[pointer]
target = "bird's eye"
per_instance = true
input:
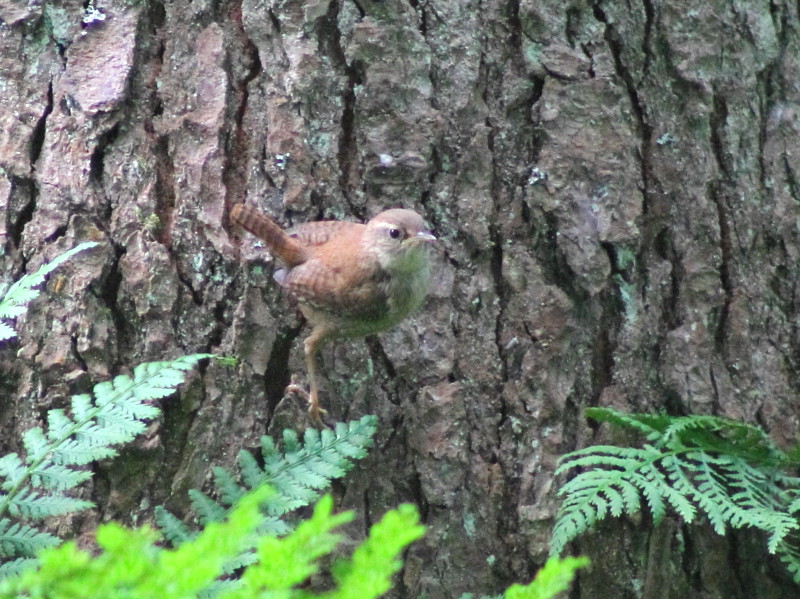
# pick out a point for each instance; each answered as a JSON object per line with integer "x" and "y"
{"x": 394, "y": 233}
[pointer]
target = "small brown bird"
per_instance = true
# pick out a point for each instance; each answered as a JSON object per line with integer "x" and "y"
{"x": 350, "y": 279}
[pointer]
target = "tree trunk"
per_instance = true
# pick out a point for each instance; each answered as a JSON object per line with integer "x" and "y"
{"x": 615, "y": 186}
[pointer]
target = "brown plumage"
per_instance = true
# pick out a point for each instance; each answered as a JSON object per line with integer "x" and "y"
{"x": 349, "y": 279}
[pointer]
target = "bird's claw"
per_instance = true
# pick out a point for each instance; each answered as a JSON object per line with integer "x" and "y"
{"x": 315, "y": 412}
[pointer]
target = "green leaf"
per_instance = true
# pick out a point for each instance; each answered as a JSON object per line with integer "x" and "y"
{"x": 132, "y": 566}
{"x": 369, "y": 571}
{"x": 21, "y": 540}
{"x": 37, "y": 484}
{"x": 6, "y": 332}
{"x": 175, "y": 531}
{"x": 728, "y": 471}
{"x": 296, "y": 472}
{"x": 14, "y": 301}
{"x": 553, "y": 578}
{"x": 289, "y": 561}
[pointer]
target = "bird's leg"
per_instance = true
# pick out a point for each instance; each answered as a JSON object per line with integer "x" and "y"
{"x": 312, "y": 345}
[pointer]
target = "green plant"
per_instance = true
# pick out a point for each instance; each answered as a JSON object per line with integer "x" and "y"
{"x": 726, "y": 470}
{"x": 131, "y": 564}
{"x": 244, "y": 531}
{"x": 33, "y": 484}
{"x": 554, "y": 577}
{"x": 14, "y": 301}
{"x": 297, "y": 472}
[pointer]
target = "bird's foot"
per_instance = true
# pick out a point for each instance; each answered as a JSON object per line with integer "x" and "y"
{"x": 315, "y": 412}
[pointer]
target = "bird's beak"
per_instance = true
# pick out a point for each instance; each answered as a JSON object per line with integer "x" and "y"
{"x": 424, "y": 236}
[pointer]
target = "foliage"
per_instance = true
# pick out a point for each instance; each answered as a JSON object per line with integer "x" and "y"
{"x": 726, "y": 470}
{"x": 553, "y": 578}
{"x": 272, "y": 561}
{"x": 369, "y": 571}
{"x": 14, "y": 302}
{"x": 296, "y": 471}
{"x": 132, "y": 565}
{"x": 33, "y": 485}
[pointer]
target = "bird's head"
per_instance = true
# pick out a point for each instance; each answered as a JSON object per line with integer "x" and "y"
{"x": 399, "y": 240}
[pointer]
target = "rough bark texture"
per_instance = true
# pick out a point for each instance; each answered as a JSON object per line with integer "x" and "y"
{"x": 615, "y": 186}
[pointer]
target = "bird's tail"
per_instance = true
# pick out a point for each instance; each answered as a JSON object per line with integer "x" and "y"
{"x": 287, "y": 249}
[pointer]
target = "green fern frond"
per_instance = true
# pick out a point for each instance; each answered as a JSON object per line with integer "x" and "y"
{"x": 207, "y": 509}
{"x": 250, "y": 470}
{"x": 789, "y": 554}
{"x": 175, "y": 531}
{"x": 16, "y": 567}
{"x": 34, "y": 484}
{"x": 12, "y": 471}
{"x": 296, "y": 471}
{"x": 55, "y": 477}
{"x": 651, "y": 426}
{"x": 19, "y": 540}
{"x": 301, "y": 471}
{"x": 683, "y": 496}
{"x": 14, "y": 302}
{"x": 30, "y": 505}
{"x": 229, "y": 489}
{"x": 6, "y": 332}
{"x": 728, "y": 471}
{"x": 794, "y": 505}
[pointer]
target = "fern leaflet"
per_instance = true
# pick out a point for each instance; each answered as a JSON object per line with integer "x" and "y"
{"x": 726, "y": 470}
{"x": 297, "y": 473}
{"x": 32, "y": 486}
{"x": 14, "y": 302}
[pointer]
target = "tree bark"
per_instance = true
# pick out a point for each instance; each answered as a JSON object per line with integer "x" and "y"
{"x": 615, "y": 187}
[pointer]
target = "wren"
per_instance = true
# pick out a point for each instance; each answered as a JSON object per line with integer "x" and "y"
{"x": 349, "y": 279}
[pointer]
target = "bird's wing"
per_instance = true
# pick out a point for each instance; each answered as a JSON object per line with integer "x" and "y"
{"x": 324, "y": 286}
